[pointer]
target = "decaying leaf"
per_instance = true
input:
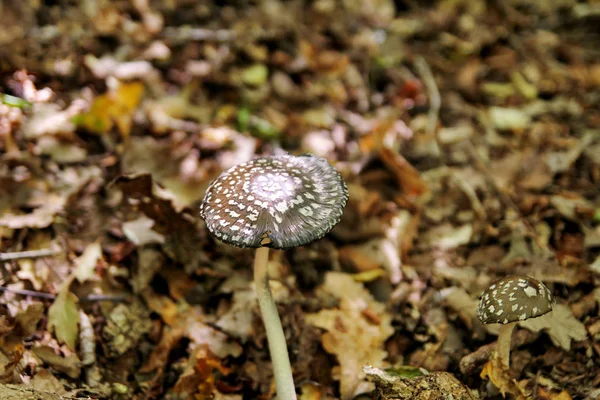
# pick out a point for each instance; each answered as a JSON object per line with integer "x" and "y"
{"x": 125, "y": 326}
{"x": 63, "y": 316}
{"x": 44, "y": 381}
{"x": 144, "y": 194}
{"x": 448, "y": 237}
{"x": 355, "y": 332}
{"x": 140, "y": 232}
{"x": 149, "y": 263}
{"x": 85, "y": 264}
{"x": 499, "y": 376}
{"x": 40, "y": 217}
{"x": 561, "y": 325}
{"x": 113, "y": 108}
{"x": 238, "y": 320}
{"x": 427, "y": 386}
{"x": 462, "y": 303}
{"x": 29, "y": 318}
{"x": 68, "y": 364}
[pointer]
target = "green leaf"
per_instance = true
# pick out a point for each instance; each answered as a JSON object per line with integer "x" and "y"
{"x": 243, "y": 119}
{"x": 13, "y": 101}
{"x": 63, "y": 316}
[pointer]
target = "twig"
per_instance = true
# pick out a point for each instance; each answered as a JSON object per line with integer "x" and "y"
{"x": 468, "y": 190}
{"x": 199, "y": 34}
{"x": 19, "y": 255}
{"x": 469, "y": 363}
{"x": 505, "y": 198}
{"x": 435, "y": 100}
{"x": 50, "y": 296}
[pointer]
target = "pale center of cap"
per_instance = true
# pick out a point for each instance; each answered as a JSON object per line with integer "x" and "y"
{"x": 270, "y": 186}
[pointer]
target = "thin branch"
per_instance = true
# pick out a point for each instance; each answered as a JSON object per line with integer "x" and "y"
{"x": 19, "y": 255}
{"x": 435, "y": 100}
{"x": 481, "y": 165}
{"x": 50, "y": 296}
{"x": 32, "y": 293}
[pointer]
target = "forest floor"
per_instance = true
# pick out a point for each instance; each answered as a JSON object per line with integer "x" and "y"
{"x": 468, "y": 133}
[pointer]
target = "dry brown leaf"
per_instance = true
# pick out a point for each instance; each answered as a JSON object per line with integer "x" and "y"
{"x": 238, "y": 320}
{"x": 44, "y": 381}
{"x": 561, "y": 325}
{"x": 407, "y": 176}
{"x": 355, "y": 339}
{"x": 139, "y": 231}
{"x": 68, "y": 365}
{"x": 85, "y": 264}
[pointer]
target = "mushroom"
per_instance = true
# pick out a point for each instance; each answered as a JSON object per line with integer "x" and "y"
{"x": 275, "y": 202}
{"x": 510, "y": 300}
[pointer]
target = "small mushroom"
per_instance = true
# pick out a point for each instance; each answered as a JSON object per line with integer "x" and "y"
{"x": 274, "y": 202}
{"x": 510, "y": 300}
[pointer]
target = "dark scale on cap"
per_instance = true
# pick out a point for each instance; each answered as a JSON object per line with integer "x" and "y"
{"x": 514, "y": 298}
{"x": 290, "y": 200}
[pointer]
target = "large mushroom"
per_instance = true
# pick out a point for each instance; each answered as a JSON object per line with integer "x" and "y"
{"x": 510, "y": 300}
{"x": 275, "y": 202}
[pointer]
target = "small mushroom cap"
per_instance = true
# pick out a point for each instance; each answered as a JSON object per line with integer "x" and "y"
{"x": 514, "y": 298}
{"x": 280, "y": 202}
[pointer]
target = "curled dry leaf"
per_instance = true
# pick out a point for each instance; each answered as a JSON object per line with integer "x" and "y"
{"x": 499, "y": 376}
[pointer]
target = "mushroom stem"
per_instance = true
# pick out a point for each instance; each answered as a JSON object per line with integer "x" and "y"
{"x": 282, "y": 370}
{"x": 504, "y": 339}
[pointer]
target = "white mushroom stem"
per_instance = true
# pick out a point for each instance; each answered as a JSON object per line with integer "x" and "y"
{"x": 504, "y": 339}
{"x": 282, "y": 370}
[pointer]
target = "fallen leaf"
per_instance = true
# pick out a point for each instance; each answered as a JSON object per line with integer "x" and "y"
{"x": 44, "y": 381}
{"x": 561, "y": 325}
{"x": 125, "y": 326}
{"x": 448, "y": 237}
{"x": 85, "y": 264}
{"x": 406, "y": 175}
{"x": 149, "y": 263}
{"x": 69, "y": 365}
{"x": 40, "y": 217}
{"x": 352, "y": 337}
{"x": 495, "y": 372}
{"x": 509, "y": 118}
{"x": 113, "y": 108}
{"x": 238, "y": 320}
{"x": 63, "y": 316}
{"x": 139, "y": 231}
{"x": 29, "y": 318}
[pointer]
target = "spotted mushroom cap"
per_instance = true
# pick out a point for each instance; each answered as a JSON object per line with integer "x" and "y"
{"x": 514, "y": 298}
{"x": 289, "y": 200}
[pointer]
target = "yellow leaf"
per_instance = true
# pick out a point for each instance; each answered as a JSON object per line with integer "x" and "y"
{"x": 499, "y": 376}
{"x": 564, "y": 395}
{"x": 115, "y": 107}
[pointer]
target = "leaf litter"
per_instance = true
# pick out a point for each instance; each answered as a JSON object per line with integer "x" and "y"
{"x": 468, "y": 133}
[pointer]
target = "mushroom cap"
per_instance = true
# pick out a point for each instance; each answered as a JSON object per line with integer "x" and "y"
{"x": 514, "y": 298}
{"x": 289, "y": 200}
